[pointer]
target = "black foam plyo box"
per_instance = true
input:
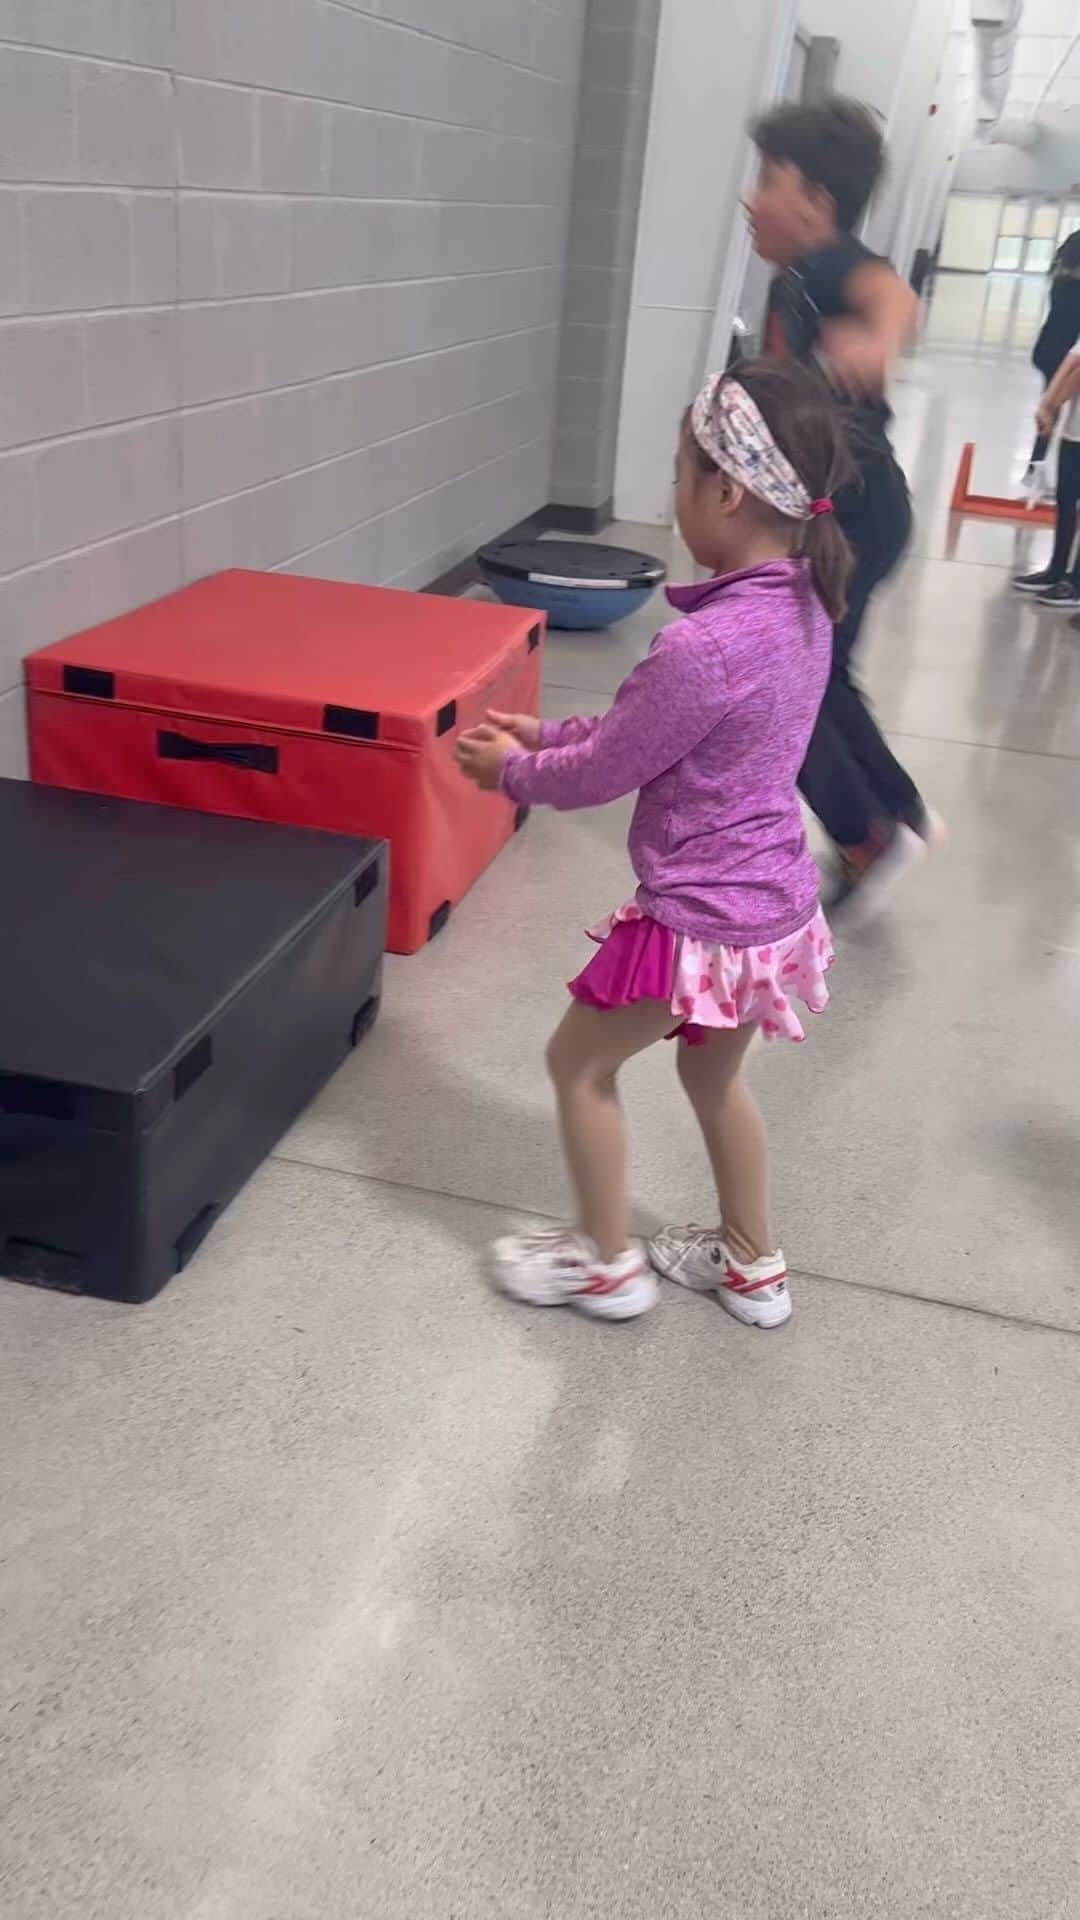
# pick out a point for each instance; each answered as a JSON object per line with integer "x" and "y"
{"x": 174, "y": 988}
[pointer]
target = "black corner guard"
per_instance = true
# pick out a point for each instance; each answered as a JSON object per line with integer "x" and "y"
{"x": 193, "y": 1065}
{"x": 90, "y": 681}
{"x": 187, "y": 1246}
{"x": 365, "y": 886}
{"x": 356, "y": 723}
{"x": 40, "y": 1265}
{"x": 364, "y": 1020}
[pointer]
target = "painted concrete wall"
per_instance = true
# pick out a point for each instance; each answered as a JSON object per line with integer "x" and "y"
{"x": 714, "y": 64}
{"x": 890, "y": 228}
{"x": 281, "y": 285}
{"x": 873, "y": 40}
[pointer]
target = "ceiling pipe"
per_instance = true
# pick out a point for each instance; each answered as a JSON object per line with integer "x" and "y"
{"x": 1057, "y": 73}
{"x": 997, "y": 26}
{"x": 1024, "y": 134}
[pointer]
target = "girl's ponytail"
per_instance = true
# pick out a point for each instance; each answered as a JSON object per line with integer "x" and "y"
{"x": 830, "y": 560}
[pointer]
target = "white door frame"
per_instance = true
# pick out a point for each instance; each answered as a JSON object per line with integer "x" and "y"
{"x": 777, "y": 61}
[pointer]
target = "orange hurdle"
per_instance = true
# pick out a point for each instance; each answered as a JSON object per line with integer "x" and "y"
{"x": 990, "y": 506}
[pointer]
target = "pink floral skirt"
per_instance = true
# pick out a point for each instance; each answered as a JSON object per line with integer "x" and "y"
{"x": 705, "y": 985}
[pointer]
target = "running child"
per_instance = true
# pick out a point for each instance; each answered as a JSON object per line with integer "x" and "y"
{"x": 725, "y": 930}
{"x": 835, "y": 302}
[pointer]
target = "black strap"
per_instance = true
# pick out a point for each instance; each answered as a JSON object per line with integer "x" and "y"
{"x": 247, "y": 755}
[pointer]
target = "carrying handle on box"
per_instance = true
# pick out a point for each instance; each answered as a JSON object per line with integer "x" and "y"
{"x": 247, "y": 755}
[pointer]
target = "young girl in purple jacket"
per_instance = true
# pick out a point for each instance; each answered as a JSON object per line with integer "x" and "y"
{"x": 725, "y": 929}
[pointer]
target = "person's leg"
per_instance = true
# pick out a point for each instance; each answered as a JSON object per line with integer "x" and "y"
{"x": 831, "y": 780}
{"x": 584, "y": 1058}
{"x": 895, "y": 794}
{"x": 855, "y": 785}
{"x": 734, "y": 1135}
{"x": 738, "y": 1261}
{"x": 1055, "y": 579}
{"x": 1068, "y": 502}
{"x": 867, "y": 802}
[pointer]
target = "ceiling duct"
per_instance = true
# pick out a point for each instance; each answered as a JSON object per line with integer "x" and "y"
{"x": 1025, "y": 134}
{"x": 997, "y": 26}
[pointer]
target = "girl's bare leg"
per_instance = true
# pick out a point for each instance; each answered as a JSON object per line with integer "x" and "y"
{"x": 584, "y": 1058}
{"x": 734, "y": 1134}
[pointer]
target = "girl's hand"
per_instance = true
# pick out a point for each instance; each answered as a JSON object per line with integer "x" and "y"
{"x": 481, "y": 752}
{"x": 524, "y": 727}
{"x": 1046, "y": 418}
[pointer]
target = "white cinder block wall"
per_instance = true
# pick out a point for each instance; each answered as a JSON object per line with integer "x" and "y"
{"x": 280, "y": 286}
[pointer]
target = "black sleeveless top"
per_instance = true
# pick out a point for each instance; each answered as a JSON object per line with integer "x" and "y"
{"x": 801, "y": 298}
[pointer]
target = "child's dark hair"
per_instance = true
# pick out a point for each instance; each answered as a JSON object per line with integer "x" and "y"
{"x": 801, "y": 413}
{"x": 837, "y": 145}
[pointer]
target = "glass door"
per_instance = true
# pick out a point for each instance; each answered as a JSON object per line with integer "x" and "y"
{"x": 1030, "y": 233}
{"x": 1012, "y": 237}
{"x": 1042, "y": 240}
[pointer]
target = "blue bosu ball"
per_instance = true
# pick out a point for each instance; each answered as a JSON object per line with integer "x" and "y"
{"x": 577, "y": 583}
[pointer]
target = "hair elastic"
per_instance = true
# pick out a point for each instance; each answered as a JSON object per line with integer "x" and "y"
{"x": 818, "y": 507}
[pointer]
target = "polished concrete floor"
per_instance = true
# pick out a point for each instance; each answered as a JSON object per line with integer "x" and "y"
{"x": 334, "y": 1588}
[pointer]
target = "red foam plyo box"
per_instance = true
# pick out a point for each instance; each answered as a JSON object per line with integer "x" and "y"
{"x": 313, "y": 703}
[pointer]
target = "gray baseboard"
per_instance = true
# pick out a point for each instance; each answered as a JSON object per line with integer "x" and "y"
{"x": 458, "y": 579}
{"x": 580, "y": 519}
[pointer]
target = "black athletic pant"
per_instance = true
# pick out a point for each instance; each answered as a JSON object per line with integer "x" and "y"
{"x": 1068, "y": 504}
{"x": 849, "y": 777}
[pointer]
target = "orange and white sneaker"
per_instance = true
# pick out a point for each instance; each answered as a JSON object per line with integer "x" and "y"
{"x": 560, "y": 1268}
{"x": 699, "y": 1258}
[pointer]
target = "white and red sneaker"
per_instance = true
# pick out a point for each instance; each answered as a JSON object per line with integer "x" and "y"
{"x": 560, "y": 1268}
{"x": 699, "y": 1258}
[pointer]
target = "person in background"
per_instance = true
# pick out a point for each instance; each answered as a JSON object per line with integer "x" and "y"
{"x": 1059, "y": 330}
{"x": 835, "y": 302}
{"x": 725, "y": 930}
{"x": 1058, "y": 585}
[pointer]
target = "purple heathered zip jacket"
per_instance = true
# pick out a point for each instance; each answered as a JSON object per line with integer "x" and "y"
{"x": 713, "y": 727}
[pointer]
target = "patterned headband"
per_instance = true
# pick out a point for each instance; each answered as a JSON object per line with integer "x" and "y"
{"x": 730, "y": 427}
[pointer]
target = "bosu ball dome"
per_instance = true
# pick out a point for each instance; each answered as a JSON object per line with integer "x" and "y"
{"x": 577, "y": 583}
